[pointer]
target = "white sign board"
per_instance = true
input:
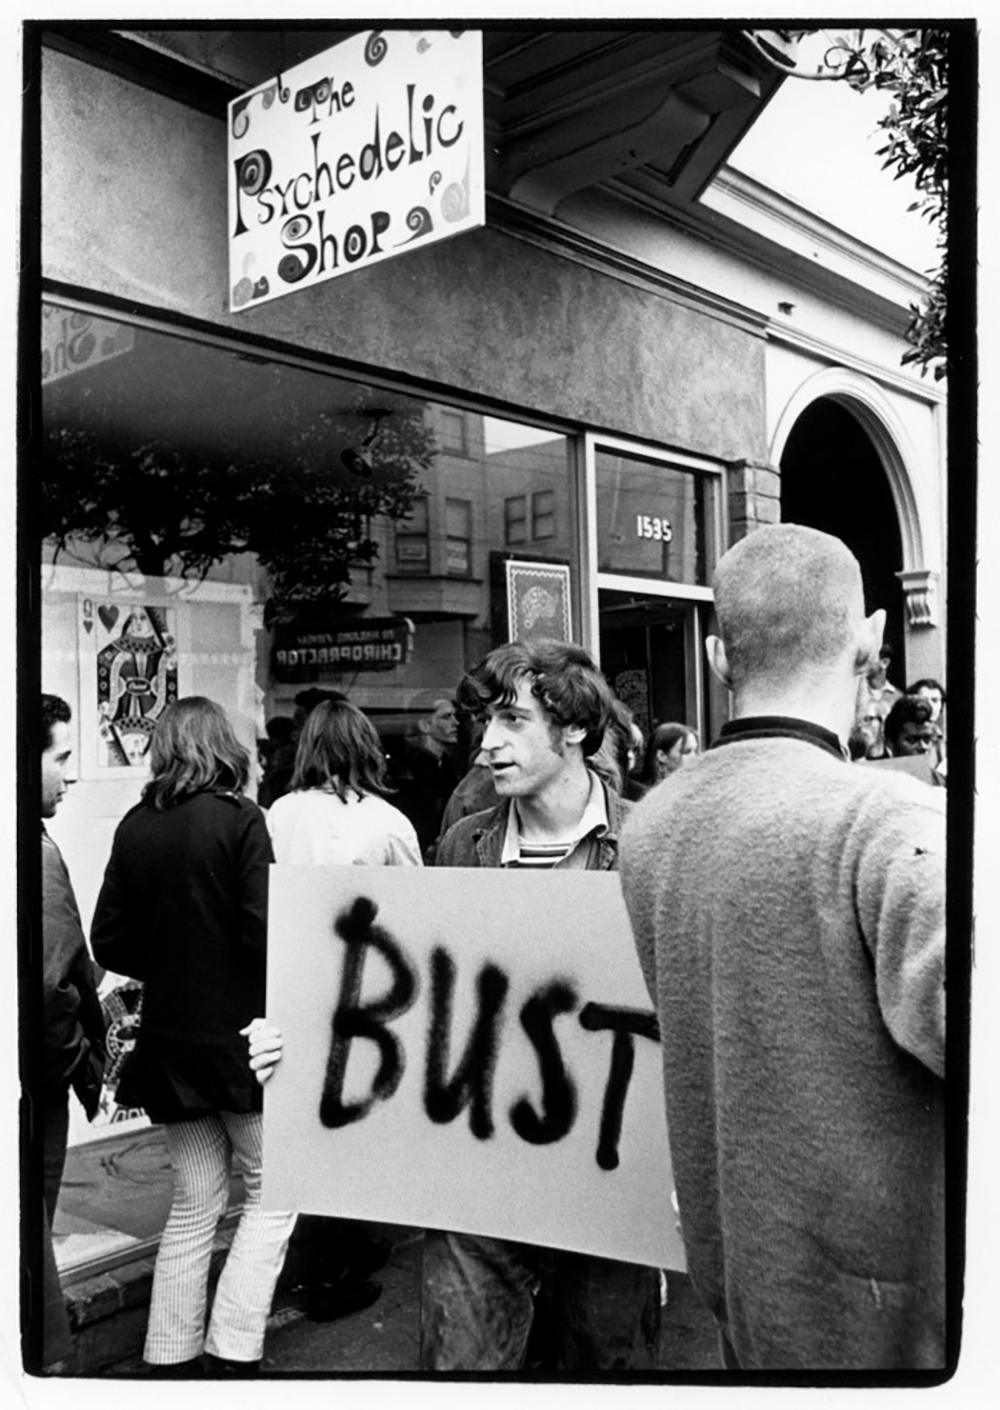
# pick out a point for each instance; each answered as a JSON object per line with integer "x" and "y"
{"x": 371, "y": 148}
{"x": 467, "y": 1049}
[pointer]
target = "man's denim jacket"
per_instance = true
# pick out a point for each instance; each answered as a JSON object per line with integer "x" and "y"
{"x": 477, "y": 841}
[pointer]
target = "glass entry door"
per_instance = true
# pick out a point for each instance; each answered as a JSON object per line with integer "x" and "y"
{"x": 652, "y": 655}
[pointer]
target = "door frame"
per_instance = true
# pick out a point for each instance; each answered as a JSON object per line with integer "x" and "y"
{"x": 595, "y": 581}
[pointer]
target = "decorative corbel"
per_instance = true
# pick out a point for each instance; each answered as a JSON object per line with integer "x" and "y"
{"x": 920, "y": 591}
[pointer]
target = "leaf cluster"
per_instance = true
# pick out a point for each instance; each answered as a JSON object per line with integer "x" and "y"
{"x": 149, "y": 506}
{"x": 912, "y": 66}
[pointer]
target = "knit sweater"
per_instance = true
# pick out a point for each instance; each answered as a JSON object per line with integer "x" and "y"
{"x": 788, "y": 910}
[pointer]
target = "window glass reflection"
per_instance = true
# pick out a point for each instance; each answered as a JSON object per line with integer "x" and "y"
{"x": 347, "y": 507}
{"x": 653, "y": 520}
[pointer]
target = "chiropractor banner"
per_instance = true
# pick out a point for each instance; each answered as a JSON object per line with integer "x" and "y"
{"x": 467, "y": 1049}
{"x": 366, "y": 150}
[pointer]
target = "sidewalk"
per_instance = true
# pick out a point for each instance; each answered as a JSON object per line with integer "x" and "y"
{"x": 383, "y": 1339}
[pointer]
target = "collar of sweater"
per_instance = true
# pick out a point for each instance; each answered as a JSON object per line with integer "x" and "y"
{"x": 780, "y": 727}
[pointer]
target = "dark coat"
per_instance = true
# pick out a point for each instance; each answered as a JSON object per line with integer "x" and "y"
{"x": 73, "y": 1018}
{"x": 183, "y": 908}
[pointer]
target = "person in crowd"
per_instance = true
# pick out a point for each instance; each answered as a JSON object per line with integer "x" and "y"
{"x": 72, "y": 1022}
{"x": 876, "y": 692}
{"x": 337, "y": 813}
{"x": 474, "y": 790}
{"x": 671, "y": 746}
{"x": 619, "y": 752}
{"x": 867, "y": 736}
{"x": 183, "y": 908}
{"x": 426, "y": 773}
{"x": 788, "y": 911}
{"x": 909, "y": 727}
{"x": 933, "y": 691}
{"x": 546, "y": 707}
{"x": 277, "y": 758}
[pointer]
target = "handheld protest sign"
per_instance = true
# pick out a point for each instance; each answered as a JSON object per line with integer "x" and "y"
{"x": 467, "y": 1049}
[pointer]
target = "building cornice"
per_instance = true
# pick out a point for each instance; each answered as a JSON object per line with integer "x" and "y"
{"x": 549, "y": 233}
{"x": 795, "y": 230}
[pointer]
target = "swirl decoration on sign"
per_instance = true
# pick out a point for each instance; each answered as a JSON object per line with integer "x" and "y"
{"x": 419, "y": 221}
{"x": 297, "y": 228}
{"x": 455, "y": 201}
{"x": 241, "y": 108}
{"x": 254, "y": 172}
{"x": 434, "y": 182}
{"x": 314, "y": 96}
{"x": 376, "y": 48}
{"x": 538, "y": 605}
{"x": 246, "y": 289}
{"x": 291, "y": 269}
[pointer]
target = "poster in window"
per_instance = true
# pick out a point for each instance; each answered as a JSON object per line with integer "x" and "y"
{"x": 130, "y": 672}
{"x": 535, "y": 603}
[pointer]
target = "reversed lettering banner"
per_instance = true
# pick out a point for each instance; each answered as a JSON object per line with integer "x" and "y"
{"x": 467, "y": 1049}
{"x": 367, "y": 150}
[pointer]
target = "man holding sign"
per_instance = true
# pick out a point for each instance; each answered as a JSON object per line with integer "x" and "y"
{"x": 546, "y": 708}
{"x": 788, "y": 909}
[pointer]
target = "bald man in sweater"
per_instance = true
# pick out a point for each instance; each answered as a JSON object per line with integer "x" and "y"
{"x": 788, "y": 910}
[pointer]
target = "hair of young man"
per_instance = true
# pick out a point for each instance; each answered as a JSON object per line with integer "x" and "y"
{"x": 54, "y": 711}
{"x": 339, "y": 750}
{"x": 611, "y": 759}
{"x": 908, "y": 709}
{"x": 564, "y": 680}
{"x": 928, "y": 684}
{"x": 788, "y": 600}
{"x": 662, "y": 740}
{"x": 194, "y": 749}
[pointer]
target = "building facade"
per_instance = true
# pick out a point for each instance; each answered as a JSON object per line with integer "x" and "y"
{"x": 643, "y": 355}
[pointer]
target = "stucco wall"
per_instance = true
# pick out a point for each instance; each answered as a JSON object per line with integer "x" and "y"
{"x": 134, "y": 190}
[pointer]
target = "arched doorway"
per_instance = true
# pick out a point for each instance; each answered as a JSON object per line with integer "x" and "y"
{"x": 832, "y": 478}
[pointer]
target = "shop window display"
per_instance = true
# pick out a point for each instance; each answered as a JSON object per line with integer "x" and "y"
{"x": 199, "y": 503}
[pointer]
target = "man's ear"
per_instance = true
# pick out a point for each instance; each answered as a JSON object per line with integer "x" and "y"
{"x": 869, "y": 642}
{"x": 717, "y": 660}
{"x": 574, "y": 734}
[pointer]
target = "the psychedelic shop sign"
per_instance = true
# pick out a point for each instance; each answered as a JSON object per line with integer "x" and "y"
{"x": 467, "y": 1049}
{"x": 372, "y": 148}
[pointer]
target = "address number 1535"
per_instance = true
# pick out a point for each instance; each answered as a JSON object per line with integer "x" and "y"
{"x": 650, "y": 527}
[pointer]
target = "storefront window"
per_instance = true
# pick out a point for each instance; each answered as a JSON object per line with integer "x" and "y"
{"x": 221, "y": 522}
{"x": 654, "y": 520}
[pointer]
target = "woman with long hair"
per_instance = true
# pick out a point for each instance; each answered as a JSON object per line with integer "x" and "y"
{"x": 183, "y": 908}
{"x": 671, "y": 746}
{"x": 337, "y": 810}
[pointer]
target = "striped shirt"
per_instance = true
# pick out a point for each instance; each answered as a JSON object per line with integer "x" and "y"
{"x": 571, "y": 851}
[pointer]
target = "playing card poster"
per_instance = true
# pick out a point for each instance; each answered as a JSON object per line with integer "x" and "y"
{"x": 130, "y": 672}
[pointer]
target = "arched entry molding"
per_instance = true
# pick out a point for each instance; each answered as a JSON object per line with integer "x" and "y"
{"x": 868, "y": 404}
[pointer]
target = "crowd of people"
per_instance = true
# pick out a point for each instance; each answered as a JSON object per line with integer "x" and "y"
{"x": 787, "y": 911}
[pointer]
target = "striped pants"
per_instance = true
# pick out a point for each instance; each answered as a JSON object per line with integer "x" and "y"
{"x": 202, "y": 1153}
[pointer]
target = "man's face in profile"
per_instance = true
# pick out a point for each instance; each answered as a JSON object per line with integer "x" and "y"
{"x": 442, "y": 723}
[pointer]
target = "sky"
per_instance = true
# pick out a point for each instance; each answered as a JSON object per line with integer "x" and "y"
{"x": 817, "y": 142}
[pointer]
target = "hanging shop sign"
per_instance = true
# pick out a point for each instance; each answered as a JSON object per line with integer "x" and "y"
{"x": 309, "y": 649}
{"x": 467, "y": 1049}
{"x": 369, "y": 149}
